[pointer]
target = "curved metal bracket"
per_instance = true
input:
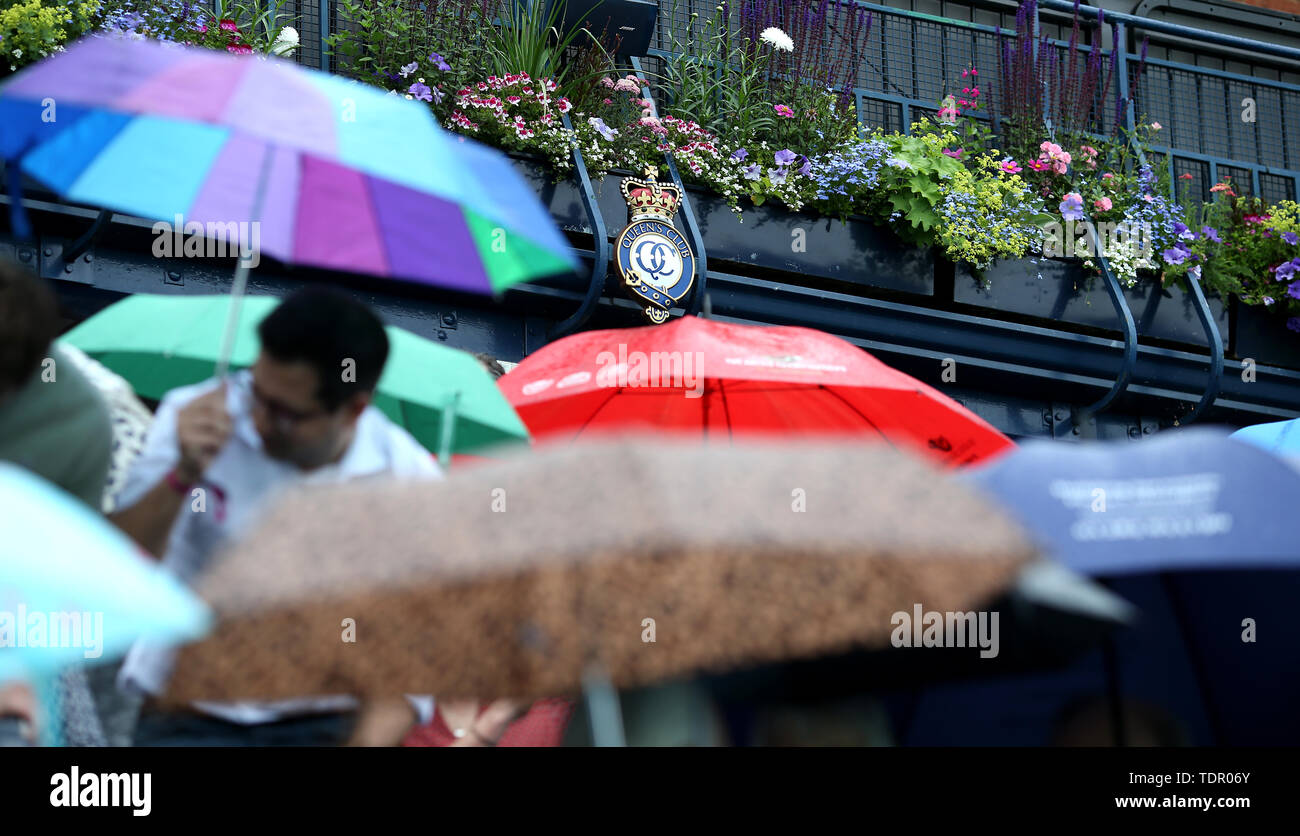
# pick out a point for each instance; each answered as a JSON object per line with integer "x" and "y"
{"x": 1216, "y": 351}
{"x": 1125, "y": 314}
{"x": 76, "y": 248}
{"x": 687, "y": 212}
{"x": 600, "y": 249}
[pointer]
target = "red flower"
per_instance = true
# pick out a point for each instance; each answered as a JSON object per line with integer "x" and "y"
{"x": 228, "y": 25}
{"x": 240, "y": 49}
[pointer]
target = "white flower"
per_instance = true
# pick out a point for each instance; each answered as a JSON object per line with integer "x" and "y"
{"x": 777, "y": 39}
{"x": 285, "y": 42}
{"x": 18, "y": 53}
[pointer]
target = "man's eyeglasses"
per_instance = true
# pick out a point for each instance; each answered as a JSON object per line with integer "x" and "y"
{"x": 282, "y": 415}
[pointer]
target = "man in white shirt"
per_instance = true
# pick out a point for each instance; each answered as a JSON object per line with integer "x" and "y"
{"x": 216, "y": 455}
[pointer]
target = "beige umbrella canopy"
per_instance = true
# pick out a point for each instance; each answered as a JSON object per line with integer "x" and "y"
{"x": 510, "y": 578}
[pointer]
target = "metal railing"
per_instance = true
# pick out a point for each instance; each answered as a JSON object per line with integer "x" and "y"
{"x": 1216, "y": 123}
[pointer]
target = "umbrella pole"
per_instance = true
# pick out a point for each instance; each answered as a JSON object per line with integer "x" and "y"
{"x": 448, "y": 432}
{"x": 232, "y": 319}
{"x": 603, "y": 710}
{"x": 240, "y": 282}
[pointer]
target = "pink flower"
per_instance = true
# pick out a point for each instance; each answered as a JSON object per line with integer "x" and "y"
{"x": 240, "y": 49}
{"x": 1103, "y": 204}
{"x": 607, "y": 81}
{"x": 782, "y": 110}
{"x": 228, "y": 25}
{"x": 1187, "y": 176}
{"x": 956, "y": 155}
{"x": 1155, "y": 126}
{"x": 948, "y": 115}
{"x": 1107, "y": 176}
{"x": 1010, "y": 167}
{"x": 965, "y": 73}
{"x": 1039, "y": 165}
{"x": 608, "y": 101}
{"x": 513, "y": 99}
{"x": 974, "y": 72}
{"x": 1059, "y": 166}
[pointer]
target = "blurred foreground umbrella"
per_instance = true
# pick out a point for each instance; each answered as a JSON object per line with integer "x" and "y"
{"x": 1279, "y": 437}
{"x": 707, "y": 378}
{"x": 161, "y": 342}
{"x": 649, "y": 559}
{"x": 336, "y": 174}
{"x": 1196, "y": 529}
{"x": 74, "y": 589}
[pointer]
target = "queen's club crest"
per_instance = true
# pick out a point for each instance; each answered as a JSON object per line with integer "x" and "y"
{"x": 655, "y": 261}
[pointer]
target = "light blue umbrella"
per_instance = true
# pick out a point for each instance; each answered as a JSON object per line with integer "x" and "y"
{"x": 74, "y": 589}
{"x": 1280, "y": 437}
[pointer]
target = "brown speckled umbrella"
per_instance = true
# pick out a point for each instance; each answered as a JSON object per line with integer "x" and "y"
{"x": 509, "y": 578}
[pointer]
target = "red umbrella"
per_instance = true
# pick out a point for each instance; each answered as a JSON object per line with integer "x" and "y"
{"x": 703, "y": 376}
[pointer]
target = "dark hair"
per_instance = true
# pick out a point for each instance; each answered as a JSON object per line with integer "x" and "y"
{"x": 490, "y": 363}
{"x": 323, "y": 328}
{"x": 29, "y": 322}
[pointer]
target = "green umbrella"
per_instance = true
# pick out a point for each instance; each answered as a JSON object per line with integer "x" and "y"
{"x": 161, "y": 342}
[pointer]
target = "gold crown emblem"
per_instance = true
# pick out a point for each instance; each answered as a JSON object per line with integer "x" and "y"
{"x": 649, "y": 198}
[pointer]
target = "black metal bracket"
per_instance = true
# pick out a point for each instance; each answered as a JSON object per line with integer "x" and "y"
{"x": 600, "y": 249}
{"x": 1216, "y": 351}
{"x": 1081, "y": 419}
{"x": 687, "y": 212}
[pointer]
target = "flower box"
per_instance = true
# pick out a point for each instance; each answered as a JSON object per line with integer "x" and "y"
{"x": 1068, "y": 292}
{"x": 1261, "y": 334}
{"x": 855, "y": 252}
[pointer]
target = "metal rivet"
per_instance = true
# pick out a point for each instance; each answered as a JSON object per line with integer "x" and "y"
{"x": 442, "y": 335}
{"x": 88, "y": 258}
{"x": 67, "y": 268}
{"x": 1074, "y": 431}
{"x": 1060, "y": 416}
{"x": 1146, "y": 431}
{"x": 49, "y": 251}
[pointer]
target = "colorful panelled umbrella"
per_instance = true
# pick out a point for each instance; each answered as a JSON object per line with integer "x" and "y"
{"x": 338, "y": 174}
{"x": 161, "y": 342}
{"x": 706, "y": 377}
{"x": 74, "y": 589}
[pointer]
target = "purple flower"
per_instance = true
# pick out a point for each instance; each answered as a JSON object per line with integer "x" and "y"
{"x": 1293, "y": 323}
{"x": 603, "y": 129}
{"x": 1290, "y": 237}
{"x": 777, "y": 175}
{"x": 409, "y": 68}
{"x": 785, "y": 156}
{"x": 739, "y": 154}
{"x": 1293, "y": 290}
{"x": 421, "y": 92}
{"x": 1176, "y": 255}
{"x": 753, "y": 172}
{"x": 439, "y": 62}
{"x": 1285, "y": 271}
{"x": 1072, "y": 207}
{"x": 806, "y": 167}
{"x": 1268, "y": 300}
{"x": 1181, "y": 231}
{"x": 1212, "y": 234}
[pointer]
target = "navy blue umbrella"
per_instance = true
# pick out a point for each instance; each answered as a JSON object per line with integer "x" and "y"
{"x": 1201, "y": 532}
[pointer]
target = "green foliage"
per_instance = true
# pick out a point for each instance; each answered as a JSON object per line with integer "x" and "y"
{"x": 33, "y": 29}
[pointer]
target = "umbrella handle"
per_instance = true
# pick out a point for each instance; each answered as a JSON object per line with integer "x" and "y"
{"x": 603, "y": 710}
{"x": 448, "y": 432}
{"x": 50, "y": 702}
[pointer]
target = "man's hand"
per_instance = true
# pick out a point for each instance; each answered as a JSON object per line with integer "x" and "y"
{"x": 202, "y": 428}
{"x": 382, "y": 722}
{"x": 490, "y": 726}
